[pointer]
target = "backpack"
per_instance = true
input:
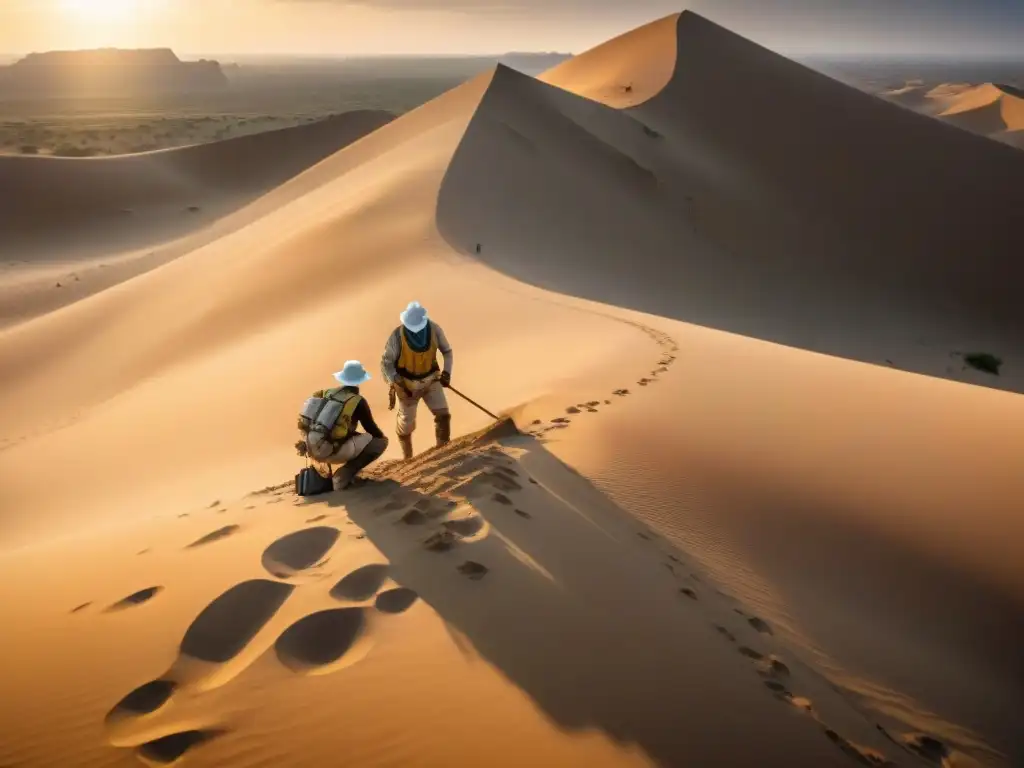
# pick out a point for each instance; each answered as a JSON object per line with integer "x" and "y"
{"x": 324, "y": 414}
{"x": 309, "y": 482}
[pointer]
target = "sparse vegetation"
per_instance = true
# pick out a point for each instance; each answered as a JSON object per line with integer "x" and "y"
{"x": 983, "y": 361}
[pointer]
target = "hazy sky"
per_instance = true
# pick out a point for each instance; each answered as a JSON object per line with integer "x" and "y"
{"x": 340, "y": 27}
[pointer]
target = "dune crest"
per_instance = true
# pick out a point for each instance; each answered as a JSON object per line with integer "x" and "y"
{"x": 988, "y": 109}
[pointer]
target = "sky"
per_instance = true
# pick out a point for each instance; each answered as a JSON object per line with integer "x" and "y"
{"x": 367, "y": 27}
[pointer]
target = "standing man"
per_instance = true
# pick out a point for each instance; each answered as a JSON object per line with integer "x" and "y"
{"x": 410, "y": 365}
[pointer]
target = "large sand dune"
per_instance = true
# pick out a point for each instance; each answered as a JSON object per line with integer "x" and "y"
{"x": 989, "y": 109}
{"x": 705, "y": 548}
{"x": 82, "y": 225}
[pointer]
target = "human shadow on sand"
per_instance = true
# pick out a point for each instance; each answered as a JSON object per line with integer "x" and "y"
{"x": 564, "y": 600}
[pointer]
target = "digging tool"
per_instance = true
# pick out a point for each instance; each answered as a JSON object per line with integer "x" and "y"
{"x": 473, "y": 402}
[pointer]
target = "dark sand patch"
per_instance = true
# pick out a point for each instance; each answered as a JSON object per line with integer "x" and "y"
{"x": 232, "y": 620}
{"x": 298, "y": 551}
{"x": 361, "y": 584}
{"x": 321, "y": 638}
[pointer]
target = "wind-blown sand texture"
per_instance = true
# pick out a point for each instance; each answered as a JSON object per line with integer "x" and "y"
{"x": 760, "y": 511}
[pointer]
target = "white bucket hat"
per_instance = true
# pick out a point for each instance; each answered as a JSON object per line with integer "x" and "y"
{"x": 414, "y": 317}
{"x": 353, "y": 374}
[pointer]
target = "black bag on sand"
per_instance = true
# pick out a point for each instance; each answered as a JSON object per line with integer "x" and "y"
{"x": 309, "y": 482}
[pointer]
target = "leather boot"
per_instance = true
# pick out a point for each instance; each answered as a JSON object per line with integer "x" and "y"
{"x": 406, "y": 442}
{"x": 443, "y": 429}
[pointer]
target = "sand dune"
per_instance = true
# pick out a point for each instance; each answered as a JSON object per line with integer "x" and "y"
{"x": 988, "y": 109}
{"x": 704, "y": 548}
{"x": 82, "y": 225}
{"x": 812, "y": 261}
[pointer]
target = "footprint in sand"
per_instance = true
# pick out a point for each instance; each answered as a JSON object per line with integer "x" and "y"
{"x": 502, "y": 499}
{"x": 329, "y": 640}
{"x": 525, "y": 515}
{"x": 927, "y": 747}
{"x": 361, "y": 584}
{"x": 473, "y": 570}
{"x": 220, "y": 533}
{"x": 144, "y": 700}
{"x": 317, "y": 519}
{"x": 319, "y": 643}
{"x": 862, "y": 755}
{"x": 169, "y": 749}
{"x": 217, "y": 636}
{"x": 501, "y": 481}
{"x": 290, "y": 555}
{"x": 621, "y": 392}
{"x": 81, "y": 607}
{"x": 467, "y": 527}
{"x": 227, "y": 625}
{"x": 689, "y": 593}
{"x": 136, "y": 598}
{"x": 773, "y": 666}
{"x": 725, "y": 633}
{"x": 760, "y": 625}
{"x": 572, "y": 409}
{"x": 397, "y": 600}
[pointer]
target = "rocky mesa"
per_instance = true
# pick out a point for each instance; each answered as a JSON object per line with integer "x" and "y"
{"x": 108, "y": 71}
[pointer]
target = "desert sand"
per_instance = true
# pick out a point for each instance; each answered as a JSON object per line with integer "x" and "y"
{"x": 60, "y": 241}
{"x": 758, "y": 509}
{"x": 994, "y": 110}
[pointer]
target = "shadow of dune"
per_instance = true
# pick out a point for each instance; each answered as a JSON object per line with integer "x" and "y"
{"x": 575, "y": 609}
{"x": 579, "y": 612}
{"x": 833, "y": 221}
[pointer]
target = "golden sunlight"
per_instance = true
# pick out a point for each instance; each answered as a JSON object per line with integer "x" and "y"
{"x": 100, "y": 11}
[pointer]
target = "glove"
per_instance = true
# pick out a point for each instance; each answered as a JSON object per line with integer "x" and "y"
{"x": 446, "y": 379}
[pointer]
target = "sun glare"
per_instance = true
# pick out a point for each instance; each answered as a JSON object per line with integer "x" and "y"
{"x": 100, "y": 11}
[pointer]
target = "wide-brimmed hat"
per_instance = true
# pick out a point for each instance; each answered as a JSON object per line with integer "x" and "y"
{"x": 414, "y": 317}
{"x": 353, "y": 374}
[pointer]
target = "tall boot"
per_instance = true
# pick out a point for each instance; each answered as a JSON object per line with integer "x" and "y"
{"x": 406, "y": 443}
{"x": 443, "y": 428}
{"x": 344, "y": 476}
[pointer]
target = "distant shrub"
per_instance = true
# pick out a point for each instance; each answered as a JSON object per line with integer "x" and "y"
{"x": 984, "y": 362}
{"x": 29, "y": 149}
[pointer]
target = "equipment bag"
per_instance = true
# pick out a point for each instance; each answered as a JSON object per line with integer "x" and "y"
{"x": 309, "y": 482}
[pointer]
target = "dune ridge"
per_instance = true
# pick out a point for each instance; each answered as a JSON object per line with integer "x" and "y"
{"x": 811, "y": 260}
{"x": 701, "y": 546}
{"x": 989, "y": 109}
{"x": 43, "y": 191}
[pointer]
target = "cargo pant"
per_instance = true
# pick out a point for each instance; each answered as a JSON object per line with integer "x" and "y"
{"x": 321, "y": 450}
{"x": 430, "y": 392}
